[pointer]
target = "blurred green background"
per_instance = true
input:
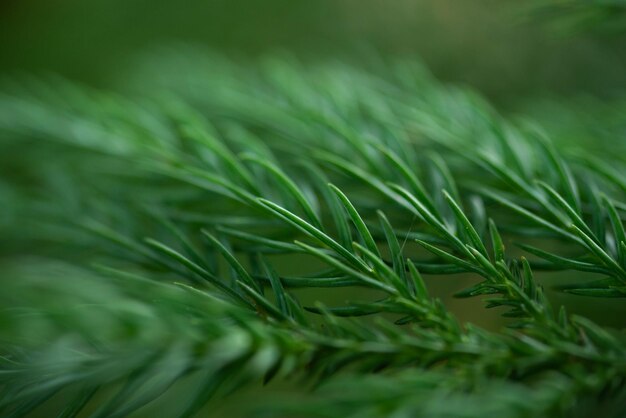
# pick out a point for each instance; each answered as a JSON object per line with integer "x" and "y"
{"x": 496, "y": 46}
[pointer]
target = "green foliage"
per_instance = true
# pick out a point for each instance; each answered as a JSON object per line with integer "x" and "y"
{"x": 176, "y": 205}
{"x": 568, "y": 16}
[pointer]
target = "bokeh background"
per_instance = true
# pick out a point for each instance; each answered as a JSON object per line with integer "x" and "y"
{"x": 505, "y": 49}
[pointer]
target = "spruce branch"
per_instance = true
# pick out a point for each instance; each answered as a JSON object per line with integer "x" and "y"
{"x": 189, "y": 192}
